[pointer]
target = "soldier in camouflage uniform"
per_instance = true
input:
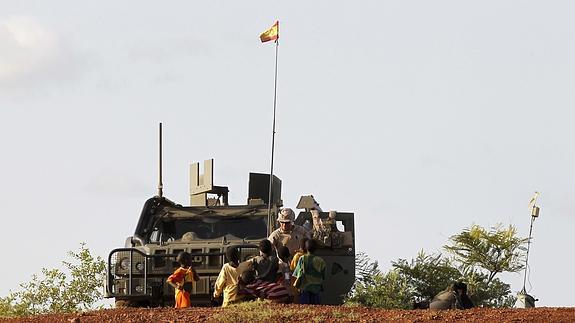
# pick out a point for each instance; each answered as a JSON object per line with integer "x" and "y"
{"x": 453, "y": 297}
{"x": 288, "y": 234}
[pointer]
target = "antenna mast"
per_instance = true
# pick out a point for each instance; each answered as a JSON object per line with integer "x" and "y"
{"x": 160, "y": 185}
{"x": 270, "y": 218}
{"x": 534, "y": 214}
{"x": 525, "y": 300}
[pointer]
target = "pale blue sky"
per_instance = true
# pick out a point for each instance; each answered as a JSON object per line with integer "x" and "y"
{"x": 422, "y": 117}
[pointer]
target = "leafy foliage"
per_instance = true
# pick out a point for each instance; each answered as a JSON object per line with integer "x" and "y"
{"x": 497, "y": 250}
{"x": 479, "y": 255}
{"x": 390, "y": 290}
{"x": 365, "y": 269}
{"x": 56, "y": 291}
{"x": 427, "y": 275}
{"x": 493, "y": 294}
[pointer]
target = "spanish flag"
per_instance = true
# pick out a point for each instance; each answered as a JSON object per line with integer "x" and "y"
{"x": 271, "y": 34}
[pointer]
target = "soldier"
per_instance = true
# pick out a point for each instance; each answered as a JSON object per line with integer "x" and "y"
{"x": 454, "y": 296}
{"x": 289, "y": 234}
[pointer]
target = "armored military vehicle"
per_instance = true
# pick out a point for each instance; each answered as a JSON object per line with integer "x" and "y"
{"x": 136, "y": 274}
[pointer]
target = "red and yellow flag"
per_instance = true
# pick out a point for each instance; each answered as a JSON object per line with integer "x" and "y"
{"x": 271, "y": 34}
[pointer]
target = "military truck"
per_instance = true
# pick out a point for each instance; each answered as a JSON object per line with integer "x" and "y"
{"x": 136, "y": 274}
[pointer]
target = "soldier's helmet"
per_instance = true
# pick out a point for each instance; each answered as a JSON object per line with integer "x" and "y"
{"x": 286, "y": 215}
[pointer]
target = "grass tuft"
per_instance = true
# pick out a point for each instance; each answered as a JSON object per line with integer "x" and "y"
{"x": 265, "y": 311}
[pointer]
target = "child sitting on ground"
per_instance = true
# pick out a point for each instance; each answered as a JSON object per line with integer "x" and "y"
{"x": 266, "y": 264}
{"x": 257, "y": 288}
{"x": 261, "y": 280}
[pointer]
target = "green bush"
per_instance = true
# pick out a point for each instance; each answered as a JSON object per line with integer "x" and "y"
{"x": 478, "y": 256}
{"x": 488, "y": 294}
{"x": 77, "y": 288}
{"x": 427, "y": 275}
{"x": 365, "y": 269}
{"x": 495, "y": 250}
{"x": 389, "y": 290}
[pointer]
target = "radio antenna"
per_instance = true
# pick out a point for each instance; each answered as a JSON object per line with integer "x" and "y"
{"x": 525, "y": 300}
{"x": 160, "y": 185}
{"x": 534, "y": 214}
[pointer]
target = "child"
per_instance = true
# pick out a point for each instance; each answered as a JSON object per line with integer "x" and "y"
{"x": 257, "y": 288}
{"x": 286, "y": 272}
{"x": 228, "y": 278}
{"x": 266, "y": 264}
{"x": 261, "y": 281}
{"x": 310, "y": 269}
{"x": 300, "y": 252}
{"x": 284, "y": 263}
{"x": 182, "y": 280}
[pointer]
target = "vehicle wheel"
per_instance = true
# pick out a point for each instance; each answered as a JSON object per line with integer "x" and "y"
{"x": 125, "y": 304}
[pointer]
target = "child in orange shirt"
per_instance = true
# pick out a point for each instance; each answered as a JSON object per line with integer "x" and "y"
{"x": 182, "y": 280}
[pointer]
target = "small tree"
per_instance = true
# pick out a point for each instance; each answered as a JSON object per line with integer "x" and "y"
{"x": 57, "y": 291}
{"x": 494, "y": 294}
{"x": 365, "y": 269}
{"x": 376, "y": 289}
{"x": 497, "y": 250}
{"x": 427, "y": 275}
{"x": 479, "y": 255}
{"x": 390, "y": 291}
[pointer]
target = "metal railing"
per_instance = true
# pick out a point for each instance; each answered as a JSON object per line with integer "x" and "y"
{"x": 133, "y": 265}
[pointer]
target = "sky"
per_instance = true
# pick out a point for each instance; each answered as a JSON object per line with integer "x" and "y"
{"x": 421, "y": 117}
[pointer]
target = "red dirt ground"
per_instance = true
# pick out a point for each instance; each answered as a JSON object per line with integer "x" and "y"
{"x": 303, "y": 313}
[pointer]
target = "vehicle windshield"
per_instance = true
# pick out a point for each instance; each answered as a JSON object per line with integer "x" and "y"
{"x": 210, "y": 228}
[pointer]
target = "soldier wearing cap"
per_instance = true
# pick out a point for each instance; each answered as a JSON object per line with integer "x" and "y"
{"x": 288, "y": 234}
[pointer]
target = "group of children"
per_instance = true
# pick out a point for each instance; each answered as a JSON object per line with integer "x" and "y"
{"x": 274, "y": 274}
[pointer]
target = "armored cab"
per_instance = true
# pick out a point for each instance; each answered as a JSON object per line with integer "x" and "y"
{"x": 136, "y": 274}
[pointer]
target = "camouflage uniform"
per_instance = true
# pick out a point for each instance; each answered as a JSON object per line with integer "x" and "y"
{"x": 444, "y": 300}
{"x": 450, "y": 298}
{"x": 289, "y": 239}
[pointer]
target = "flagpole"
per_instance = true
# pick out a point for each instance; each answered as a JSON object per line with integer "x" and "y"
{"x": 270, "y": 219}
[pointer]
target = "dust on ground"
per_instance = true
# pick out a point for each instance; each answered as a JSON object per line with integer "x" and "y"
{"x": 306, "y": 313}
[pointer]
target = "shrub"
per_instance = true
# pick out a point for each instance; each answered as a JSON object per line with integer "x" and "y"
{"x": 77, "y": 288}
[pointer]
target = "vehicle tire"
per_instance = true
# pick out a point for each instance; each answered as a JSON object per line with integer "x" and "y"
{"x": 120, "y": 303}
